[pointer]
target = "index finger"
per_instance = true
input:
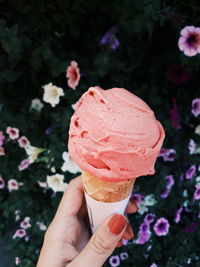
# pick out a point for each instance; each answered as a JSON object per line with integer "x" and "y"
{"x": 72, "y": 199}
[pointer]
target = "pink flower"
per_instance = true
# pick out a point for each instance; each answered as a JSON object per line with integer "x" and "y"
{"x": 2, "y": 151}
{"x": 19, "y": 233}
{"x": 13, "y": 185}
{"x": 12, "y": 132}
{"x": 23, "y": 141}
{"x": 189, "y": 41}
{"x": 25, "y": 224}
{"x": 24, "y": 164}
{"x": 73, "y": 74}
{"x": 2, "y": 183}
{"x": 2, "y": 137}
{"x": 17, "y": 260}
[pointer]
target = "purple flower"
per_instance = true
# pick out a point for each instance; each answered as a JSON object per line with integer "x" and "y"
{"x": 114, "y": 261}
{"x": 154, "y": 265}
{"x": 161, "y": 227}
{"x": 192, "y": 146}
{"x": 168, "y": 154}
{"x": 149, "y": 218}
{"x": 189, "y": 41}
{"x": 170, "y": 182}
{"x": 165, "y": 194}
{"x": 123, "y": 256}
{"x": 190, "y": 227}
{"x": 196, "y": 107}
{"x": 178, "y": 215}
{"x": 190, "y": 172}
{"x": 197, "y": 192}
{"x": 175, "y": 116}
{"x": 109, "y": 39}
{"x": 143, "y": 237}
{"x": 144, "y": 227}
{"x": 137, "y": 198}
{"x": 177, "y": 74}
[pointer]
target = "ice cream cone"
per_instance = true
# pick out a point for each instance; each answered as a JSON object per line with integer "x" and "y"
{"x": 105, "y": 191}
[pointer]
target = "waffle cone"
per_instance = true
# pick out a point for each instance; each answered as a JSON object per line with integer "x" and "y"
{"x": 104, "y": 191}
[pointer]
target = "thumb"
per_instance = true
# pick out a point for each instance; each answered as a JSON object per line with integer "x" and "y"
{"x": 102, "y": 243}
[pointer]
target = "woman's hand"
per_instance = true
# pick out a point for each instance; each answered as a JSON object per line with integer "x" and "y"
{"x": 67, "y": 239}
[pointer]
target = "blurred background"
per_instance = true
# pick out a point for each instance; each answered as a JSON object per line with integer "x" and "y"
{"x": 51, "y": 52}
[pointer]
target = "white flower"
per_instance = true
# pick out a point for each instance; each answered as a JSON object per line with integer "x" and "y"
{"x": 56, "y": 182}
{"x": 185, "y": 193}
{"x": 69, "y": 165}
{"x": 142, "y": 208}
{"x": 149, "y": 200}
{"x": 25, "y": 223}
{"x": 42, "y": 226}
{"x": 33, "y": 152}
{"x": 74, "y": 105}
{"x": 197, "y": 130}
{"x": 36, "y": 104}
{"x": 13, "y": 185}
{"x": 197, "y": 180}
{"x": 52, "y": 94}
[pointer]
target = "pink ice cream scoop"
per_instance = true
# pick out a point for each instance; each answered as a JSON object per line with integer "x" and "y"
{"x": 114, "y": 135}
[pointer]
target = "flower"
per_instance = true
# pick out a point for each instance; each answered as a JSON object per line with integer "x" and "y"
{"x": 161, "y": 227}
{"x": 52, "y": 94}
{"x": 143, "y": 235}
{"x": 17, "y": 260}
{"x": 177, "y": 74}
{"x": 2, "y": 151}
{"x": 19, "y": 233}
{"x": 154, "y": 265}
{"x": 142, "y": 208}
{"x": 189, "y": 41}
{"x": 56, "y": 183}
{"x": 170, "y": 181}
{"x": 42, "y": 226}
{"x": 36, "y": 104}
{"x": 123, "y": 256}
{"x": 17, "y": 215}
{"x": 137, "y": 198}
{"x": 168, "y": 154}
{"x": 13, "y": 185}
{"x": 12, "y": 132}
{"x": 109, "y": 39}
{"x": 114, "y": 261}
{"x": 175, "y": 116}
{"x": 73, "y": 75}
{"x": 2, "y": 183}
{"x": 197, "y": 192}
{"x": 33, "y": 152}
{"x": 74, "y": 105}
{"x": 149, "y": 218}
{"x": 2, "y": 137}
{"x": 196, "y": 107}
{"x": 150, "y": 200}
{"x": 69, "y": 165}
{"x": 24, "y": 164}
{"x": 192, "y": 147}
{"x": 197, "y": 130}
{"x": 23, "y": 141}
{"x": 190, "y": 172}
{"x": 178, "y": 215}
{"x": 25, "y": 223}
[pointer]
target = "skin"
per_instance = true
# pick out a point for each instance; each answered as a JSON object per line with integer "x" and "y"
{"x": 68, "y": 233}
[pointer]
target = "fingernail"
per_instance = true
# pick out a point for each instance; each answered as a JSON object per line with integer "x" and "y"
{"x": 117, "y": 224}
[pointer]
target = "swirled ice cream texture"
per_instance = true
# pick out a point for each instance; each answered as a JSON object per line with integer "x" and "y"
{"x": 114, "y": 135}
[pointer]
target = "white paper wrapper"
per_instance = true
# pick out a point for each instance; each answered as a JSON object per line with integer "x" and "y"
{"x": 98, "y": 211}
